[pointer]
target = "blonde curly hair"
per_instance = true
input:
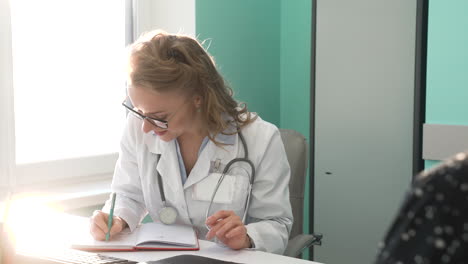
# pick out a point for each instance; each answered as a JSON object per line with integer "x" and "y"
{"x": 160, "y": 61}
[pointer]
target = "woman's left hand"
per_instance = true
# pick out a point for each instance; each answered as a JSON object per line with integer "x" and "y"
{"x": 229, "y": 229}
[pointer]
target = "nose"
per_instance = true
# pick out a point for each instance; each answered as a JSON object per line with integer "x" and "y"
{"x": 146, "y": 126}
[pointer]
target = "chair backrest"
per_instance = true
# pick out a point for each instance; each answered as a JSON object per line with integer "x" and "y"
{"x": 295, "y": 145}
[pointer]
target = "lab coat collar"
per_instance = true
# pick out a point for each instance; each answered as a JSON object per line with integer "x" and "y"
{"x": 226, "y": 139}
{"x": 211, "y": 153}
{"x": 228, "y": 136}
{"x": 225, "y": 152}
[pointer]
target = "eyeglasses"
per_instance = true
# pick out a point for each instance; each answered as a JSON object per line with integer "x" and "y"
{"x": 163, "y": 124}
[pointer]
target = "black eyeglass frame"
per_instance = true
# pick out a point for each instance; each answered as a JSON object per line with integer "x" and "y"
{"x": 154, "y": 121}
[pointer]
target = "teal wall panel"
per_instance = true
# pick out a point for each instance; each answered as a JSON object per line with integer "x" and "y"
{"x": 447, "y": 64}
{"x": 245, "y": 42}
{"x": 295, "y": 65}
{"x": 430, "y": 163}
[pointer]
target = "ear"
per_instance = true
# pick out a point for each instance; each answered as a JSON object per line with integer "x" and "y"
{"x": 197, "y": 101}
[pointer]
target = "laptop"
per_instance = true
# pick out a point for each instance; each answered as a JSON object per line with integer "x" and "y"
{"x": 189, "y": 259}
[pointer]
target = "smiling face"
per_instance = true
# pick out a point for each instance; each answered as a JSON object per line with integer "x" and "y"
{"x": 162, "y": 67}
{"x": 175, "y": 107}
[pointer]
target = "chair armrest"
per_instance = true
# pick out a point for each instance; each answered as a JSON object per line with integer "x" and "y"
{"x": 300, "y": 242}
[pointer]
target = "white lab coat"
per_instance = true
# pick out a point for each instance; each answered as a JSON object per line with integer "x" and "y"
{"x": 269, "y": 218}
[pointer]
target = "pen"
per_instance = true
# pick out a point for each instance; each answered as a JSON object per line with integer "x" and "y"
{"x": 111, "y": 216}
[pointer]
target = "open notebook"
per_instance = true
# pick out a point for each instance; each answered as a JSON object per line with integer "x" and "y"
{"x": 149, "y": 236}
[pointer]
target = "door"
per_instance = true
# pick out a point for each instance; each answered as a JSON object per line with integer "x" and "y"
{"x": 363, "y": 123}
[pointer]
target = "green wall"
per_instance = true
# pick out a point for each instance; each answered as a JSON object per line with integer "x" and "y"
{"x": 295, "y": 52}
{"x": 245, "y": 42}
{"x": 447, "y": 64}
{"x": 263, "y": 49}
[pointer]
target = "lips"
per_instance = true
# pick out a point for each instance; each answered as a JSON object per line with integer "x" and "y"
{"x": 160, "y": 133}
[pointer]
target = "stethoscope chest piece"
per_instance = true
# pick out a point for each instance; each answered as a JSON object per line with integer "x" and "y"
{"x": 167, "y": 215}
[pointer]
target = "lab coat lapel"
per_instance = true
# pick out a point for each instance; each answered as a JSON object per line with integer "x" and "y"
{"x": 210, "y": 153}
{"x": 153, "y": 143}
{"x": 168, "y": 165}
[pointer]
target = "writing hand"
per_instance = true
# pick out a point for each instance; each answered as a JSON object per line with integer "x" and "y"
{"x": 98, "y": 225}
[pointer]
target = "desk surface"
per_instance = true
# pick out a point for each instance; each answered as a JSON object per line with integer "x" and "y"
{"x": 59, "y": 231}
{"x": 213, "y": 250}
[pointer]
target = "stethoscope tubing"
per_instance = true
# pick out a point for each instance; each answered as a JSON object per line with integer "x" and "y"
{"x": 226, "y": 170}
{"x": 161, "y": 188}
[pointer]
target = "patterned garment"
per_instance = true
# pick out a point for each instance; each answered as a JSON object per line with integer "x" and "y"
{"x": 432, "y": 225}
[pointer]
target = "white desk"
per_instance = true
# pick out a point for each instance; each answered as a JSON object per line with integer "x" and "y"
{"x": 213, "y": 250}
{"x": 59, "y": 230}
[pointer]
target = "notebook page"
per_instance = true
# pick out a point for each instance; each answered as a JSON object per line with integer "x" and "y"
{"x": 182, "y": 235}
{"x": 122, "y": 240}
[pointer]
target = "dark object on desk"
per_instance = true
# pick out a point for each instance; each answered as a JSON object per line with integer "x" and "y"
{"x": 189, "y": 259}
{"x": 432, "y": 224}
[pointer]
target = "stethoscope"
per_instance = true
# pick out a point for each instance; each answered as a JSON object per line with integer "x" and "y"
{"x": 168, "y": 214}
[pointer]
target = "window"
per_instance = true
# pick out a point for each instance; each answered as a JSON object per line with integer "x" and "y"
{"x": 62, "y": 82}
{"x": 67, "y": 80}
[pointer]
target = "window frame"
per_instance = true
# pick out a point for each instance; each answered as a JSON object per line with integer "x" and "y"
{"x": 7, "y": 151}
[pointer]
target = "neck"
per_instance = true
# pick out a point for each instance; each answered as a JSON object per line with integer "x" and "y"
{"x": 196, "y": 133}
{"x": 192, "y": 136}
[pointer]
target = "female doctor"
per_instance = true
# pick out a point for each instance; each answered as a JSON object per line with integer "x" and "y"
{"x": 183, "y": 131}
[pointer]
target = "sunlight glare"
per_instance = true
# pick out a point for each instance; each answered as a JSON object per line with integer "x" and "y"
{"x": 35, "y": 226}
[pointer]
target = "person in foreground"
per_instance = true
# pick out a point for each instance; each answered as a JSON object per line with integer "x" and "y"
{"x": 431, "y": 226}
{"x": 183, "y": 133}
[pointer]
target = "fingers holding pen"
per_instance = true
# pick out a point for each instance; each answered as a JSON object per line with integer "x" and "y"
{"x": 118, "y": 225}
{"x": 99, "y": 228}
{"x": 98, "y": 225}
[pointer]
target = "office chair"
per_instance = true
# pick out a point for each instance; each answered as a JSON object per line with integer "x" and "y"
{"x": 432, "y": 224}
{"x": 296, "y": 151}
